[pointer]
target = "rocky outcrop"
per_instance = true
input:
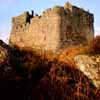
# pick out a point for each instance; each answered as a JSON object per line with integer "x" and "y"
{"x": 6, "y": 69}
{"x": 90, "y": 66}
{"x": 50, "y": 77}
{"x": 3, "y": 54}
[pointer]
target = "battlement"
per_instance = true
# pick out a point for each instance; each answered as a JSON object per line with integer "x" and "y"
{"x": 54, "y": 29}
{"x": 23, "y": 18}
{"x": 67, "y": 10}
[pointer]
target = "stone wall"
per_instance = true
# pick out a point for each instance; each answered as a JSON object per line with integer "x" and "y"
{"x": 19, "y": 23}
{"x": 56, "y": 28}
{"x": 76, "y": 25}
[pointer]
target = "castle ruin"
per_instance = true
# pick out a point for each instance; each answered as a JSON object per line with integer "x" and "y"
{"x": 56, "y": 28}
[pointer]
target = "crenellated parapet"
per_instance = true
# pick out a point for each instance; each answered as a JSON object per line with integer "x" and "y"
{"x": 21, "y": 22}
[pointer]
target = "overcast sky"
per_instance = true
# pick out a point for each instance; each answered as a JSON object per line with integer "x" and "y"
{"x": 10, "y": 8}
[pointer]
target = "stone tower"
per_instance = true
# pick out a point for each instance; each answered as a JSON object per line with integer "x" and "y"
{"x": 57, "y": 28}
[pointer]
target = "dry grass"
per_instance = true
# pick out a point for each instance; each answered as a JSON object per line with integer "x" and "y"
{"x": 57, "y": 77}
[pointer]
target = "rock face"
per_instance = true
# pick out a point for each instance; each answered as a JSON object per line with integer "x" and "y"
{"x": 90, "y": 66}
{"x": 3, "y": 52}
{"x": 3, "y": 55}
{"x": 6, "y": 69}
{"x": 56, "y": 28}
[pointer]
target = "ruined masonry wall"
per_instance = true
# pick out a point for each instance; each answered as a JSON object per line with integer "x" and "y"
{"x": 44, "y": 31}
{"x": 55, "y": 29}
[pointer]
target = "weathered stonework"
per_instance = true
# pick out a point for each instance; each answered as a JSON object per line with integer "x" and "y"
{"x": 56, "y": 28}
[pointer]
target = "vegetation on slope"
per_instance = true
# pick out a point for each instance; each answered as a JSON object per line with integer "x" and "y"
{"x": 57, "y": 77}
{"x": 52, "y": 77}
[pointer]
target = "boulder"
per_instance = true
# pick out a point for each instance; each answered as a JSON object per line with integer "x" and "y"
{"x": 90, "y": 66}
